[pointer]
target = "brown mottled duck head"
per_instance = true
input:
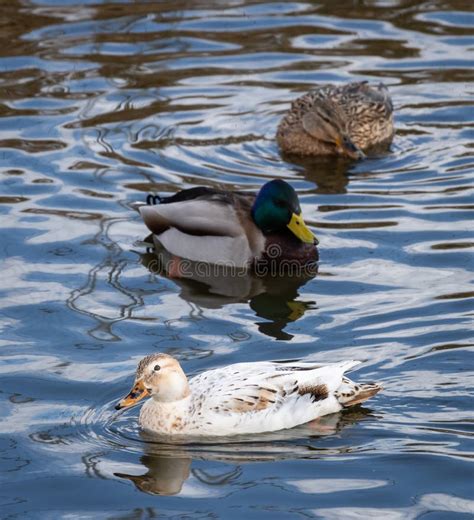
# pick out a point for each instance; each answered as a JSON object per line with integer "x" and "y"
{"x": 326, "y": 122}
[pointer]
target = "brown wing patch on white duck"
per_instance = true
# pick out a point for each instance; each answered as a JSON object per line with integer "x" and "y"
{"x": 262, "y": 398}
{"x": 254, "y": 400}
{"x": 317, "y": 392}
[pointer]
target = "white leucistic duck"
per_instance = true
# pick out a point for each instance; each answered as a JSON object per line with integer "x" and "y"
{"x": 243, "y": 398}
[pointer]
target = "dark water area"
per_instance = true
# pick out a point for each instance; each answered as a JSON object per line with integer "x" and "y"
{"x": 102, "y": 103}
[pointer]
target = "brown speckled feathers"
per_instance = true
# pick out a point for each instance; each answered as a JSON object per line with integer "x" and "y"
{"x": 319, "y": 119}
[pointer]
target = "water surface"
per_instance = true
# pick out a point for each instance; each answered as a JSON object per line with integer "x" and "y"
{"x": 104, "y": 102}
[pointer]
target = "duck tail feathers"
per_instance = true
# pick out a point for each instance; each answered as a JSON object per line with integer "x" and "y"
{"x": 136, "y": 205}
{"x": 349, "y": 365}
{"x": 151, "y": 200}
{"x": 350, "y": 393}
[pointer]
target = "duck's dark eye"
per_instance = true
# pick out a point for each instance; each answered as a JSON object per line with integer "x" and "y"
{"x": 280, "y": 203}
{"x": 156, "y": 368}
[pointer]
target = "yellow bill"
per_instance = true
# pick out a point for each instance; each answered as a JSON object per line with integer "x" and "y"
{"x": 301, "y": 230}
{"x": 137, "y": 393}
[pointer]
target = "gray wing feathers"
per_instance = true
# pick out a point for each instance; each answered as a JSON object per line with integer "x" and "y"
{"x": 199, "y": 217}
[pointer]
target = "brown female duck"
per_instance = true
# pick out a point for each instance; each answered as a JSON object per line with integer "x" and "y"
{"x": 338, "y": 120}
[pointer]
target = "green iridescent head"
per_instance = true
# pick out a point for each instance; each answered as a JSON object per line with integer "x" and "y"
{"x": 277, "y": 208}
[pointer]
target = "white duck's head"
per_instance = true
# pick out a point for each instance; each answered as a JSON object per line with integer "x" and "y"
{"x": 158, "y": 376}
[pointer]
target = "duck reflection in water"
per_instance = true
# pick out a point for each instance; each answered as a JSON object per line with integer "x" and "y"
{"x": 170, "y": 471}
{"x": 273, "y": 298}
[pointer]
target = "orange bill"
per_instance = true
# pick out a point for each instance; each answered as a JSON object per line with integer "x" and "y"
{"x": 137, "y": 393}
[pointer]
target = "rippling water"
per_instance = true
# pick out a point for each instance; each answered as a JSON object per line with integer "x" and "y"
{"x": 105, "y": 102}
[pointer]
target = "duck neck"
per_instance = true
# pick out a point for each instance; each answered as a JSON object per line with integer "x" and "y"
{"x": 165, "y": 417}
{"x": 174, "y": 387}
{"x": 177, "y": 405}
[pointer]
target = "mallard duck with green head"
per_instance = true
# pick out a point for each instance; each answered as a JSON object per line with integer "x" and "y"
{"x": 235, "y": 229}
{"x": 338, "y": 120}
